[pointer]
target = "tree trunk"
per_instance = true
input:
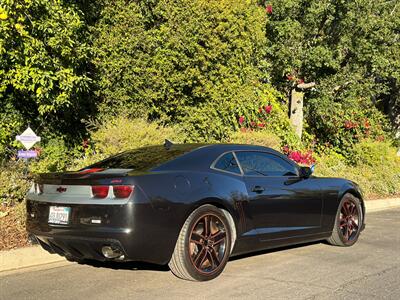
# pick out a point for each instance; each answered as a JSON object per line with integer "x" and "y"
{"x": 296, "y": 111}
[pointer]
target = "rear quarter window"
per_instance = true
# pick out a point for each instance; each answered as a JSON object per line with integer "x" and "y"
{"x": 227, "y": 163}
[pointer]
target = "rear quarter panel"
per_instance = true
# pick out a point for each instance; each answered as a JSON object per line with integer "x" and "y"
{"x": 171, "y": 197}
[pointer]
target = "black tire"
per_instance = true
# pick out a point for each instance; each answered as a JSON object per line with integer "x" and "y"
{"x": 348, "y": 222}
{"x": 202, "y": 251}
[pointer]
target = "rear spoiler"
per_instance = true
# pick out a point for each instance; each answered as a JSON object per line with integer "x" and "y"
{"x": 86, "y": 174}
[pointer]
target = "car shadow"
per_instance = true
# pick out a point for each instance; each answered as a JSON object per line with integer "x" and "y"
{"x": 142, "y": 266}
{"x": 283, "y": 248}
{"x": 129, "y": 265}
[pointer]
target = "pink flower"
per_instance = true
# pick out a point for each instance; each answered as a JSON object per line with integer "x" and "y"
{"x": 241, "y": 120}
{"x": 268, "y": 9}
{"x": 268, "y": 108}
{"x": 295, "y": 155}
{"x": 252, "y": 124}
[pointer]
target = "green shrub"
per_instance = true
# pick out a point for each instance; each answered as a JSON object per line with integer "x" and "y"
{"x": 263, "y": 138}
{"x": 374, "y": 154}
{"x": 375, "y": 167}
{"x": 196, "y": 63}
{"x": 43, "y": 68}
{"x": 14, "y": 182}
{"x": 53, "y": 157}
{"x": 122, "y": 133}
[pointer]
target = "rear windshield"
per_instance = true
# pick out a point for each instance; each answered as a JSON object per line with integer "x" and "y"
{"x": 144, "y": 159}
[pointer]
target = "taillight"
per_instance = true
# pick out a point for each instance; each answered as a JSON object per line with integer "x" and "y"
{"x": 100, "y": 191}
{"x": 122, "y": 191}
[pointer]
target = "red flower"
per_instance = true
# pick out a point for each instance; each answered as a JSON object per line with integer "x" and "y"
{"x": 366, "y": 124}
{"x": 261, "y": 125}
{"x": 241, "y": 120}
{"x": 289, "y": 77}
{"x": 268, "y": 9}
{"x": 268, "y": 108}
{"x": 295, "y": 155}
{"x": 301, "y": 158}
{"x": 350, "y": 124}
{"x": 85, "y": 144}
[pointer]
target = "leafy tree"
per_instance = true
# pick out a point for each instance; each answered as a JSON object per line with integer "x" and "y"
{"x": 195, "y": 62}
{"x": 43, "y": 61}
{"x": 349, "y": 48}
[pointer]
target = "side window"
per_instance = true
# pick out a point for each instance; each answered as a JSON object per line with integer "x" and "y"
{"x": 264, "y": 164}
{"x": 227, "y": 163}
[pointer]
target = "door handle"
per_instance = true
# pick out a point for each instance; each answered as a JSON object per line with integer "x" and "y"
{"x": 258, "y": 189}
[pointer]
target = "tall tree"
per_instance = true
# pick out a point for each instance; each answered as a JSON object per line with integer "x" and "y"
{"x": 350, "y": 48}
{"x": 195, "y": 62}
{"x": 43, "y": 60}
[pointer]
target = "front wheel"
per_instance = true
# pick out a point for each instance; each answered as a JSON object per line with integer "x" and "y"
{"x": 348, "y": 222}
{"x": 203, "y": 246}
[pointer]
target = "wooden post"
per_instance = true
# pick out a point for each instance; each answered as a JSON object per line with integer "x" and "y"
{"x": 296, "y": 106}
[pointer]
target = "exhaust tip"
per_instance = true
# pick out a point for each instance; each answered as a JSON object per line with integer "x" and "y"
{"x": 112, "y": 252}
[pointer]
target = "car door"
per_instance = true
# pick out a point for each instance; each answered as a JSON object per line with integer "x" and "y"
{"x": 281, "y": 203}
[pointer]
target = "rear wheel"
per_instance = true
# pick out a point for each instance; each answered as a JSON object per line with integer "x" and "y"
{"x": 203, "y": 246}
{"x": 349, "y": 219}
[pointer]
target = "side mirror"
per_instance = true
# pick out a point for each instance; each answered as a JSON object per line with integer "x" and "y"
{"x": 306, "y": 172}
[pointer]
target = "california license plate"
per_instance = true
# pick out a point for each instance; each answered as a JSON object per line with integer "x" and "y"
{"x": 59, "y": 215}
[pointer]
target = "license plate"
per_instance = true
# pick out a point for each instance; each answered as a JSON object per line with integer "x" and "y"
{"x": 59, "y": 215}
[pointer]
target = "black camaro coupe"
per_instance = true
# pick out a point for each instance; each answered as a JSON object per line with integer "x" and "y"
{"x": 191, "y": 206}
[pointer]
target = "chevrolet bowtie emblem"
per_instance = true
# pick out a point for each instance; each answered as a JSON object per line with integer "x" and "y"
{"x": 61, "y": 189}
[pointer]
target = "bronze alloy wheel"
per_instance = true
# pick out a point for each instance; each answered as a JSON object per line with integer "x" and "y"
{"x": 204, "y": 244}
{"x": 207, "y": 243}
{"x": 349, "y": 221}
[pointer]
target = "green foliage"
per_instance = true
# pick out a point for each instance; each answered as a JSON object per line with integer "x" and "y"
{"x": 121, "y": 134}
{"x": 192, "y": 62}
{"x": 54, "y": 157}
{"x": 270, "y": 115}
{"x": 13, "y": 182}
{"x": 263, "y": 138}
{"x": 375, "y": 154}
{"x": 342, "y": 125}
{"x": 350, "y": 49}
{"x": 374, "y": 166}
{"x": 43, "y": 55}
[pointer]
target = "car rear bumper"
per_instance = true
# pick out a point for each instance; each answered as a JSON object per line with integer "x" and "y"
{"x": 136, "y": 230}
{"x": 80, "y": 248}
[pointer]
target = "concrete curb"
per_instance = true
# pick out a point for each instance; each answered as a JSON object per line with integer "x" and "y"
{"x": 26, "y": 257}
{"x": 377, "y": 205}
{"x": 36, "y": 256}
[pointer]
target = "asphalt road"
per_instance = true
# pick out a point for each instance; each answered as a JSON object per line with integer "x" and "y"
{"x": 368, "y": 270}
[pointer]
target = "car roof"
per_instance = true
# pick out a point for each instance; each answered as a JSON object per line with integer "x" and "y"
{"x": 203, "y": 155}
